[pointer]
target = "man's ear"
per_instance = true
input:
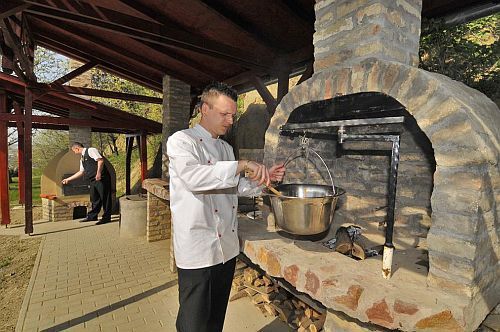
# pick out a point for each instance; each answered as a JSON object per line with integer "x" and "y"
{"x": 204, "y": 109}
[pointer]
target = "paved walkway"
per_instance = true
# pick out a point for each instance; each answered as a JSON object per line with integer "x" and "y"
{"x": 87, "y": 278}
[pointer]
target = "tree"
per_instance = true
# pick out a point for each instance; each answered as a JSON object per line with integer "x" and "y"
{"x": 469, "y": 53}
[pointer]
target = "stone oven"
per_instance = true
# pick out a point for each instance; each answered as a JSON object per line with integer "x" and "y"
{"x": 446, "y": 263}
{"x": 69, "y": 201}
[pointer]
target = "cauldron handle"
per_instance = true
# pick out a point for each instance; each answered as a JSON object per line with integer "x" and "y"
{"x": 289, "y": 159}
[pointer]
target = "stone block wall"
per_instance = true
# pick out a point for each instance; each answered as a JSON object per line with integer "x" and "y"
{"x": 54, "y": 210}
{"x": 176, "y": 112}
{"x": 158, "y": 225}
{"x": 464, "y": 130}
{"x": 348, "y": 31}
{"x": 363, "y": 172}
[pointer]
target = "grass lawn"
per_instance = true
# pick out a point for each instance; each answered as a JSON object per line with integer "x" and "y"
{"x": 14, "y": 193}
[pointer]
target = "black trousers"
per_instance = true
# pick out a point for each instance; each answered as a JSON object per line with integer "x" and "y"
{"x": 100, "y": 196}
{"x": 203, "y": 297}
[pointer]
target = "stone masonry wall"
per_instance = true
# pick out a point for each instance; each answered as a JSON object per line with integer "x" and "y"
{"x": 349, "y": 31}
{"x": 176, "y": 113}
{"x": 55, "y": 211}
{"x": 158, "y": 225}
{"x": 463, "y": 127}
{"x": 363, "y": 171}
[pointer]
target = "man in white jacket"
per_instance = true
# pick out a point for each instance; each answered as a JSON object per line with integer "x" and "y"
{"x": 204, "y": 183}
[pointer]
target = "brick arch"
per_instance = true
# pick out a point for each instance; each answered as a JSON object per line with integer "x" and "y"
{"x": 463, "y": 126}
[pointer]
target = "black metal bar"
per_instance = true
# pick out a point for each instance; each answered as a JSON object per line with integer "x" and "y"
{"x": 338, "y": 123}
{"x": 290, "y": 130}
{"x": 393, "y": 178}
{"x": 128, "y": 157}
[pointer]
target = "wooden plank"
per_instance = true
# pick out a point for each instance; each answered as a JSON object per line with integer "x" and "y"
{"x": 143, "y": 151}
{"x": 128, "y": 157}
{"x": 264, "y": 93}
{"x": 162, "y": 34}
{"x": 15, "y": 44}
{"x": 104, "y": 94}
{"x": 4, "y": 164}
{"x": 20, "y": 153}
{"x": 11, "y": 7}
{"x": 74, "y": 73}
{"x": 28, "y": 208}
{"x": 283, "y": 82}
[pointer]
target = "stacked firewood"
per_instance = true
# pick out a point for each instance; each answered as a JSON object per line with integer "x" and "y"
{"x": 274, "y": 300}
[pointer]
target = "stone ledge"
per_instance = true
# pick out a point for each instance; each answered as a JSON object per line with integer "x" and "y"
{"x": 356, "y": 288}
{"x": 157, "y": 187}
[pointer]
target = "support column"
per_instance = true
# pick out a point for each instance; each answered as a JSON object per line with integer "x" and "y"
{"x": 129, "y": 144}
{"x": 4, "y": 163}
{"x": 176, "y": 113}
{"x": 28, "y": 210}
{"x": 20, "y": 154}
{"x": 143, "y": 152}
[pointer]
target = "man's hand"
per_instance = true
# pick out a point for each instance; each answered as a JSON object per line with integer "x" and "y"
{"x": 277, "y": 172}
{"x": 98, "y": 176}
{"x": 258, "y": 172}
{"x": 65, "y": 181}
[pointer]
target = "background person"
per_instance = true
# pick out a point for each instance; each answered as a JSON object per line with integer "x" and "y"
{"x": 92, "y": 168}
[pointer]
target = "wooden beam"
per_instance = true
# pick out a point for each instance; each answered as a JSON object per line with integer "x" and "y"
{"x": 75, "y": 73}
{"x": 94, "y": 109}
{"x": 14, "y": 42}
{"x": 128, "y": 158}
{"x": 20, "y": 153}
{"x": 11, "y": 7}
{"x": 264, "y": 93}
{"x": 103, "y": 93}
{"x": 221, "y": 11}
{"x": 283, "y": 83}
{"x": 4, "y": 163}
{"x": 143, "y": 152}
{"x": 70, "y": 50}
{"x": 28, "y": 207}
{"x": 93, "y": 123}
{"x": 307, "y": 73}
{"x": 162, "y": 34}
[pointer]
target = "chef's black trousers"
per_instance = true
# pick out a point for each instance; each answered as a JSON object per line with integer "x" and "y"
{"x": 100, "y": 196}
{"x": 203, "y": 297}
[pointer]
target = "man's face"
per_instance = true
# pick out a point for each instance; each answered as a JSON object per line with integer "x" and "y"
{"x": 76, "y": 149}
{"x": 218, "y": 115}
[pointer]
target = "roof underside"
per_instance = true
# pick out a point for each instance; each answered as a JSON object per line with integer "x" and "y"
{"x": 196, "y": 41}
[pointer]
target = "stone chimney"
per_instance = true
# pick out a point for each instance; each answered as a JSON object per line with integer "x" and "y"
{"x": 76, "y": 133}
{"x": 347, "y": 32}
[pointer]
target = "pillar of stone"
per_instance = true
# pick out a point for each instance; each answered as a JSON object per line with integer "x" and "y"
{"x": 347, "y": 32}
{"x": 76, "y": 133}
{"x": 176, "y": 113}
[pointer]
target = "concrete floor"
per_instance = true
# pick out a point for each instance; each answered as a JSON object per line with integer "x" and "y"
{"x": 88, "y": 278}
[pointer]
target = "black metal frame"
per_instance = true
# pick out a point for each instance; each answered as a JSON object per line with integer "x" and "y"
{"x": 394, "y": 138}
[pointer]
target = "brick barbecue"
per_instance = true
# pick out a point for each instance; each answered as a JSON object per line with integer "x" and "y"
{"x": 446, "y": 267}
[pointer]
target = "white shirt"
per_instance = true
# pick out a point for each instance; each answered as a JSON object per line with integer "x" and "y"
{"x": 93, "y": 153}
{"x": 203, "y": 198}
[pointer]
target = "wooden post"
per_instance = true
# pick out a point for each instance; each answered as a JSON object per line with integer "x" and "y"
{"x": 143, "y": 150}
{"x": 129, "y": 144}
{"x": 283, "y": 82}
{"x": 4, "y": 163}
{"x": 28, "y": 210}
{"x": 20, "y": 154}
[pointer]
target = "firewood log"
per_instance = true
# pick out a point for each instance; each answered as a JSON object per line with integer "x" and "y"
{"x": 359, "y": 247}
{"x": 250, "y": 275}
{"x": 238, "y": 295}
{"x": 270, "y": 309}
{"x": 258, "y": 282}
{"x": 267, "y": 281}
{"x": 344, "y": 242}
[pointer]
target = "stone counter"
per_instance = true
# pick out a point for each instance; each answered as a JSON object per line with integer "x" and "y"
{"x": 158, "y": 225}
{"x": 357, "y": 288}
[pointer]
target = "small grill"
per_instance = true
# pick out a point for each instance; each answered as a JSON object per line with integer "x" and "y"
{"x": 79, "y": 186}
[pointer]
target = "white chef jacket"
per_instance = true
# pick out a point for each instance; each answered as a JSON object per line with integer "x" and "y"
{"x": 203, "y": 198}
{"x": 93, "y": 153}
